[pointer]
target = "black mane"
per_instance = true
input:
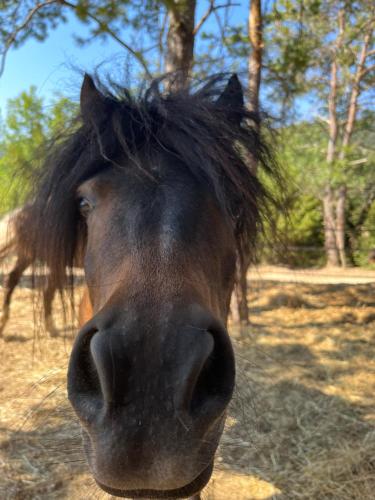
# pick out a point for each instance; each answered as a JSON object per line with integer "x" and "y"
{"x": 219, "y": 144}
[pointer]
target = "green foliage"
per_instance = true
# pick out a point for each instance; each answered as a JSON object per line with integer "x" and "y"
{"x": 300, "y": 232}
{"x": 299, "y": 227}
{"x": 366, "y": 241}
{"x": 28, "y": 127}
{"x": 139, "y": 27}
{"x": 301, "y": 151}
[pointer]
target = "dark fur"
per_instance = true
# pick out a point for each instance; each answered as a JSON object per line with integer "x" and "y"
{"x": 219, "y": 148}
{"x": 171, "y": 200}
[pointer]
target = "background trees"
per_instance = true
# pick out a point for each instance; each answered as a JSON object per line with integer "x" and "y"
{"x": 28, "y": 127}
{"x": 309, "y": 63}
{"x": 158, "y": 35}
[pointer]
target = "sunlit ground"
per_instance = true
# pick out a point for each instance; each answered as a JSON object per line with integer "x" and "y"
{"x": 302, "y": 424}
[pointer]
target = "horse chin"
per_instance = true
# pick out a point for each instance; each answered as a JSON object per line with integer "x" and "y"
{"x": 191, "y": 489}
{"x": 188, "y": 490}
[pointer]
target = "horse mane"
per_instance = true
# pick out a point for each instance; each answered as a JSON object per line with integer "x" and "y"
{"x": 219, "y": 146}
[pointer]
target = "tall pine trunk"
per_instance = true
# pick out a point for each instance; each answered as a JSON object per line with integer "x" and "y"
{"x": 330, "y": 228}
{"x": 255, "y": 73}
{"x": 329, "y": 216}
{"x": 255, "y": 58}
{"x": 340, "y": 224}
{"x": 180, "y": 41}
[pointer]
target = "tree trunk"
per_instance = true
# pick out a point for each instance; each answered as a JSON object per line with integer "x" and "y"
{"x": 354, "y": 94}
{"x": 330, "y": 228}
{"x": 347, "y": 135}
{"x": 332, "y": 116}
{"x": 330, "y": 242}
{"x": 340, "y": 224}
{"x": 255, "y": 73}
{"x": 255, "y": 58}
{"x": 180, "y": 41}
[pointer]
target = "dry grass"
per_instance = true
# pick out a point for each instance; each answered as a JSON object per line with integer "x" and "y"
{"x": 302, "y": 424}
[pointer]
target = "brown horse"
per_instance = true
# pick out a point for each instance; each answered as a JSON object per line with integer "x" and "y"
{"x": 17, "y": 227}
{"x": 20, "y": 227}
{"x": 158, "y": 192}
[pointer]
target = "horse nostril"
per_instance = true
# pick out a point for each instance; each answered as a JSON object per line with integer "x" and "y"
{"x": 107, "y": 370}
{"x": 113, "y": 366}
{"x": 83, "y": 381}
{"x": 215, "y": 383}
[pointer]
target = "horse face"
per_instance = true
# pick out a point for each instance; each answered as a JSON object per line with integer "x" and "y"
{"x": 151, "y": 374}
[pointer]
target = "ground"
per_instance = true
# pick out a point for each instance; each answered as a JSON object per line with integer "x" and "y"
{"x": 301, "y": 426}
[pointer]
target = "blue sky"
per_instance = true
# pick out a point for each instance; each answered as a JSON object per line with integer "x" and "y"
{"x": 52, "y": 65}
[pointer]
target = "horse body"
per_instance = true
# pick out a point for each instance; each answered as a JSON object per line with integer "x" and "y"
{"x": 16, "y": 230}
{"x": 157, "y": 196}
{"x": 7, "y": 227}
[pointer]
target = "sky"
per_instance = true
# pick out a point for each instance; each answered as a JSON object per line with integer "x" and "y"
{"x": 52, "y": 65}
{"x": 55, "y": 66}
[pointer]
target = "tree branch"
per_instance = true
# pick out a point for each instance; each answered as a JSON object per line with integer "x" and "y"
{"x": 205, "y": 16}
{"x": 161, "y": 40}
{"x": 212, "y": 8}
{"x": 137, "y": 54}
{"x": 354, "y": 94}
{"x": 367, "y": 70}
{"x": 12, "y": 38}
{"x": 332, "y": 98}
{"x": 104, "y": 27}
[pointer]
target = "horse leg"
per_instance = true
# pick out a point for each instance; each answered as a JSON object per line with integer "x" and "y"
{"x": 234, "y": 307}
{"x": 239, "y": 309}
{"x": 10, "y": 284}
{"x": 241, "y": 295}
{"x": 48, "y": 295}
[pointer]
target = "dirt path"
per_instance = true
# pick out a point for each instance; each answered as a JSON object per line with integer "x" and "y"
{"x": 319, "y": 276}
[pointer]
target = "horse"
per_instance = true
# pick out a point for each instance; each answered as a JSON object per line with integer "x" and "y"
{"x": 157, "y": 191}
{"x": 19, "y": 225}
{"x": 16, "y": 229}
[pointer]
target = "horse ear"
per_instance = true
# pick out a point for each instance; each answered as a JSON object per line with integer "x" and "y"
{"x": 94, "y": 105}
{"x": 232, "y": 98}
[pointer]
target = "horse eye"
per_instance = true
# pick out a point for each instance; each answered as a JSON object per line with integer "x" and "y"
{"x": 84, "y": 206}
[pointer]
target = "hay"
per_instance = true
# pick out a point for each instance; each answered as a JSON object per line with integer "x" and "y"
{"x": 367, "y": 318}
{"x": 302, "y": 423}
{"x": 290, "y": 300}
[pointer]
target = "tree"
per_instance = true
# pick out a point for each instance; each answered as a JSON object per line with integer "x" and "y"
{"x": 255, "y": 32}
{"x": 324, "y": 51}
{"x": 302, "y": 150}
{"x": 180, "y": 39}
{"x": 28, "y": 127}
{"x": 256, "y": 53}
{"x": 334, "y": 223}
{"x": 159, "y": 35}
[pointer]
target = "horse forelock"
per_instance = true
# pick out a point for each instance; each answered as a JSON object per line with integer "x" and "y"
{"x": 190, "y": 124}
